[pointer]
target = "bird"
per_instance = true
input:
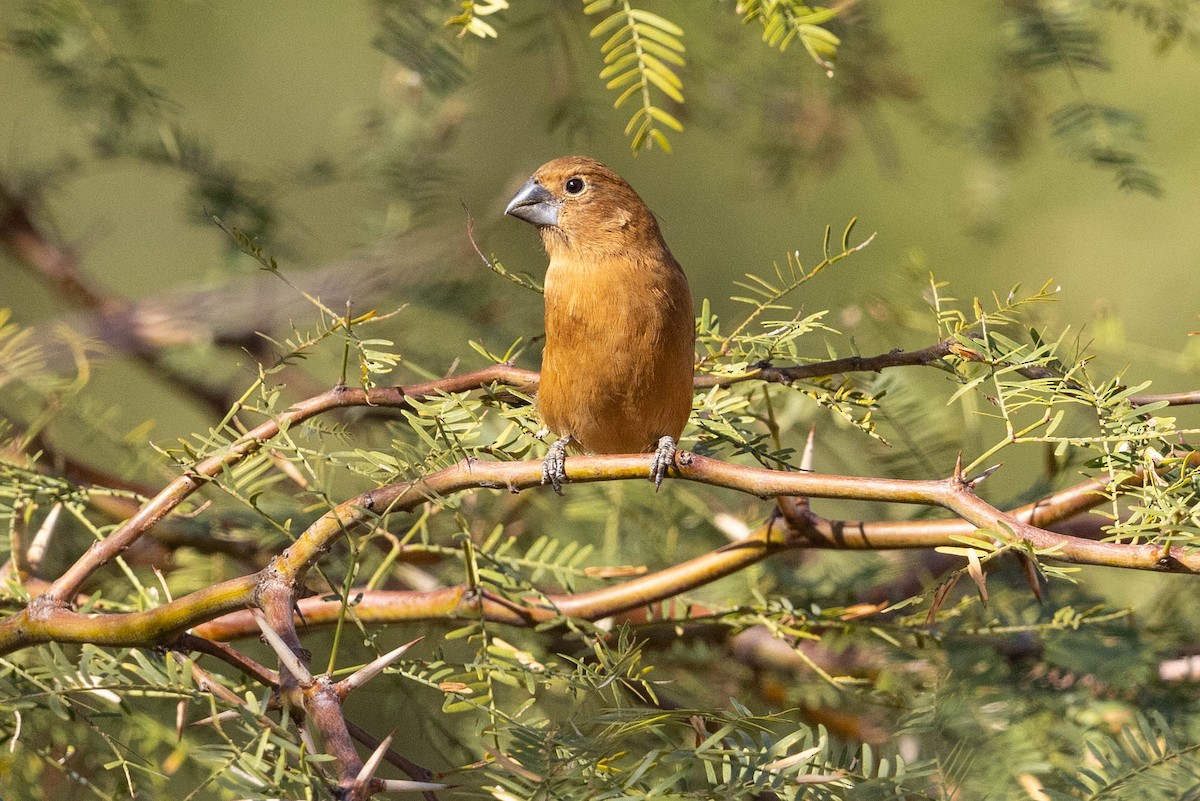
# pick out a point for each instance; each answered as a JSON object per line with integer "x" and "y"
{"x": 619, "y": 351}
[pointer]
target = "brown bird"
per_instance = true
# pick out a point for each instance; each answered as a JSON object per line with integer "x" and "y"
{"x": 620, "y": 331}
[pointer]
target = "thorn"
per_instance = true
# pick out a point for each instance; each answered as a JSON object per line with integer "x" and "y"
{"x": 975, "y": 571}
{"x": 287, "y": 658}
{"x": 228, "y": 714}
{"x": 180, "y": 718}
{"x": 793, "y": 507}
{"x": 408, "y": 786}
{"x": 306, "y": 738}
{"x": 734, "y": 528}
{"x": 958, "y": 474}
{"x": 298, "y": 612}
{"x": 16, "y": 734}
{"x": 162, "y": 582}
{"x": 806, "y": 458}
{"x": 979, "y": 479}
{"x": 41, "y": 540}
{"x": 370, "y": 671}
{"x": 1032, "y": 575}
{"x": 372, "y": 764}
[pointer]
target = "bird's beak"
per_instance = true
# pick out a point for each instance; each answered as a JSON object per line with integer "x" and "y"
{"x": 534, "y": 204}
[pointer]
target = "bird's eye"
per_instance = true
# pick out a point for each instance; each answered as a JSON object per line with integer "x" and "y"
{"x": 574, "y": 185}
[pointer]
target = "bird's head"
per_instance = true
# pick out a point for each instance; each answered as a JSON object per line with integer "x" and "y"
{"x": 581, "y": 207}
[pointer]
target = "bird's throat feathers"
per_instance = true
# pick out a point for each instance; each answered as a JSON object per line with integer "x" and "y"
{"x": 617, "y": 234}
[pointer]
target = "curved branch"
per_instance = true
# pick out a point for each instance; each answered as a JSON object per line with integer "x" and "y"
{"x": 101, "y": 553}
{"x": 821, "y": 532}
{"x": 39, "y": 624}
{"x": 810, "y": 531}
{"x": 283, "y": 574}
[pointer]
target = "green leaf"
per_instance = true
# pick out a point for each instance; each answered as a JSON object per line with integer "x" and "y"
{"x": 655, "y": 20}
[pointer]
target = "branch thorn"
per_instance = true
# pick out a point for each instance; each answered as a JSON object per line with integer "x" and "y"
{"x": 287, "y": 658}
{"x": 373, "y": 762}
{"x": 806, "y": 458}
{"x": 1033, "y": 575}
{"x": 41, "y": 540}
{"x": 979, "y": 479}
{"x": 370, "y": 671}
{"x": 367, "y": 774}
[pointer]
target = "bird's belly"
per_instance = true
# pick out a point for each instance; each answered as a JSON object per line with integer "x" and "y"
{"x": 606, "y": 425}
{"x": 604, "y": 417}
{"x": 614, "y": 392}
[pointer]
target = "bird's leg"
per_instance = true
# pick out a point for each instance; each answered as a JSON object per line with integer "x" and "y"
{"x": 554, "y": 468}
{"x": 664, "y": 460}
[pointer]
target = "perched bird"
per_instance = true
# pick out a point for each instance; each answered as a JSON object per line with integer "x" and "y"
{"x": 620, "y": 330}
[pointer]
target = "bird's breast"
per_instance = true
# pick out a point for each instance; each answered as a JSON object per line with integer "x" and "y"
{"x": 620, "y": 346}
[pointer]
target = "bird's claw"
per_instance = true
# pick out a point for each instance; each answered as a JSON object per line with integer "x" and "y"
{"x": 554, "y": 467}
{"x": 664, "y": 460}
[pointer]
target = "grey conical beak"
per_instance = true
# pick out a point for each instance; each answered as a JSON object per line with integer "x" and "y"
{"x": 534, "y": 204}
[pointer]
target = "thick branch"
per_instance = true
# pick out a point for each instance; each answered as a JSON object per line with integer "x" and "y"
{"x": 39, "y": 624}
{"x": 810, "y": 531}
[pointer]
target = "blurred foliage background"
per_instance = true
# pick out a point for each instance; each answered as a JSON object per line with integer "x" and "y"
{"x": 990, "y": 144}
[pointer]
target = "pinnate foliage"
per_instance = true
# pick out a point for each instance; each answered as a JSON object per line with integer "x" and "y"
{"x": 641, "y": 51}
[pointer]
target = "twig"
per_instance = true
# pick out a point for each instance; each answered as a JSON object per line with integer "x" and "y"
{"x": 931, "y": 356}
{"x": 850, "y": 364}
{"x": 187, "y": 643}
{"x": 183, "y": 487}
{"x": 1171, "y": 398}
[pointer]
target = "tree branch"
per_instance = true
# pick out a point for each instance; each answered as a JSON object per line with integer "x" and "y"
{"x": 851, "y": 364}
{"x": 807, "y": 531}
{"x": 40, "y": 623}
{"x": 930, "y": 356}
{"x": 183, "y": 487}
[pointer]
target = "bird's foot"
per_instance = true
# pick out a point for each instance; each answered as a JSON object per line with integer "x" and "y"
{"x": 554, "y": 468}
{"x": 664, "y": 460}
